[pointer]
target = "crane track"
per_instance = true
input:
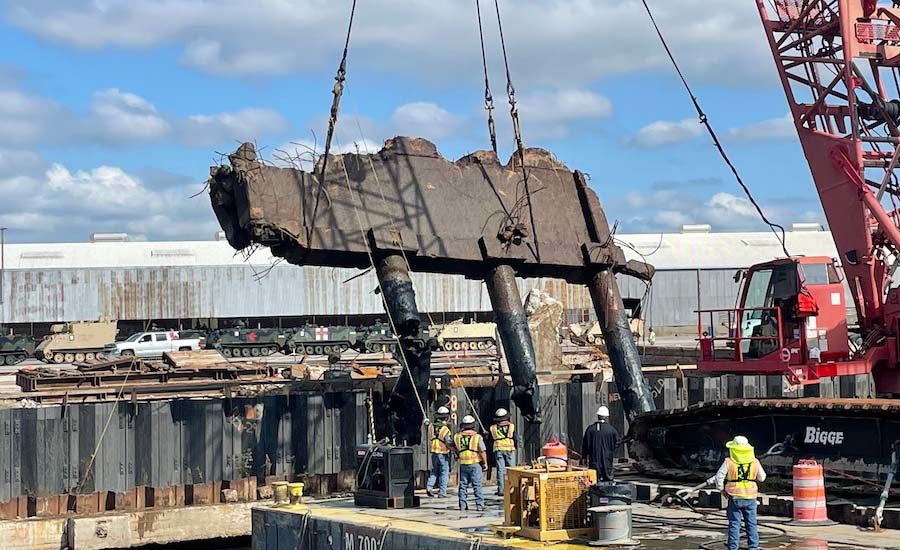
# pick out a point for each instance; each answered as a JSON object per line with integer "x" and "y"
{"x": 851, "y": 437}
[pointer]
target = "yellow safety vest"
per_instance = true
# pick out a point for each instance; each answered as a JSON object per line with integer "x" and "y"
{"x": 740, "y": 479}
{"x": 438, "y": 440}
{"x": 467, "y": 444}
{"x": 503, "y": 436}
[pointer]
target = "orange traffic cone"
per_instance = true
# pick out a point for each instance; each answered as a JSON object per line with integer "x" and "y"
{"x": 809, "y": 494}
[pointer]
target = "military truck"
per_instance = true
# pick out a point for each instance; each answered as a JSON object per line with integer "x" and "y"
{"x": 76, "y": 342}
{"x": 240, "y": 341}
{"x": 15, "y": 348}
{"x": 318, "y": 340}
{"x": 460, "y": 336}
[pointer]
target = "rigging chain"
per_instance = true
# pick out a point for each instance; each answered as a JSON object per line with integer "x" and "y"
{"x": 337, "y": 92}
{"x": 488, "y": 97}
{"x": 704, "y": 120}
{"x": 517, "y": 130}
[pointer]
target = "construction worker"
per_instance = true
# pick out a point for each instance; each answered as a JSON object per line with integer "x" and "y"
{"x": 599, "y": 446}
{"x": 737, "y": 478}
{"x": 503, "y": 434}
{"x": 441, "y": 440}
{"x": 469, "y": 447}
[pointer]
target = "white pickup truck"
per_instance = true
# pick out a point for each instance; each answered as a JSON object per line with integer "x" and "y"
{"x": 153, "y": 344}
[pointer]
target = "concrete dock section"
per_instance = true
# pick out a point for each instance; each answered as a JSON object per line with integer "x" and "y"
{"x": 439, "y": 525}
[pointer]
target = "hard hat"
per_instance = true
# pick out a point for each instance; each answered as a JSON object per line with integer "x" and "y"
{"x": 738, "y": 441}
{"x": 443, "y": 410}
{"x": 501, "y": 413}
{"x": 468, "y": 420}
{"x": 603, "y": 411}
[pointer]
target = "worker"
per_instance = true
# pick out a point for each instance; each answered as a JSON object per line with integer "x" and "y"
{"x": 599, "y": 446}
{"x": 441, "y": 440}
{"x": 503, "y": 433}
{"x": 737, "y": 478}
{"x": 469, "y": 447}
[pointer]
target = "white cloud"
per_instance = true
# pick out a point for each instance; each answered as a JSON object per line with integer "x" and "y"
{"x": 28, "y": 118}
{"x": 49, "y": 201}
{"x": 424, "y": 118}
{"x": 575, "y": 41}
{"x": 667, "y": 209}
{"x": 118, "y": 116}
{"x": 771, "y": 129}
{"x": 665, "y": 132}
{"x": 239, "y": 126}
{"x": 121, "y": 118}
{"x": 565, "y": 105}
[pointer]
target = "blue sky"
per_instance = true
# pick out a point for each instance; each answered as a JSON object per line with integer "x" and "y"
{"x": 112, "y": 111}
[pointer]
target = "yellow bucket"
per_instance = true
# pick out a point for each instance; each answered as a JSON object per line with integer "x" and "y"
{"x": 280, "y": 492}
{"x": 296, "y": 492}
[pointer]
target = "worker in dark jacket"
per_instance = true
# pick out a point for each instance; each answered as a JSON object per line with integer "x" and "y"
{"x": 599, "y": 446}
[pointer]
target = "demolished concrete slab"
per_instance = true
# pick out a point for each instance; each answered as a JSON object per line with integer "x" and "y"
{"x": 405, "y": 208}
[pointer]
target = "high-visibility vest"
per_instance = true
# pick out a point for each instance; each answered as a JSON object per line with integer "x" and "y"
{"x": 439, "y": 438}
{"x": 740, "y": 479}
{"x": 502, "y": 434}
{"x": 467, "y": 445}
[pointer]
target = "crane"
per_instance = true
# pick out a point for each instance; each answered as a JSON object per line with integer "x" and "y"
{"x": 839, "y": 64}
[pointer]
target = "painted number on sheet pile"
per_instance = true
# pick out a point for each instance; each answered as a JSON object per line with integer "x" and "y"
{"x": 353, "y": 541}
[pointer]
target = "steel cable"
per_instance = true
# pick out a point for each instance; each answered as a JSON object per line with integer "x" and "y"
{"x": 704, "y": 120}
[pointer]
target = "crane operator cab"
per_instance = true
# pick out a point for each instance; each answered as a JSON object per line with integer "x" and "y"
{"x": 792, "y": 320}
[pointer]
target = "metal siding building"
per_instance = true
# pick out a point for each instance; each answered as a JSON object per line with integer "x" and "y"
{"x": 206, "y": 279}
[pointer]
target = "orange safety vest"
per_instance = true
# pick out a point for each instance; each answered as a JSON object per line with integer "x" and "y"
{"x": 502, "y": 434}
{"x": 740, "y": 479}
{"x": 439, "y": 438}
{"x": 467, "y": 445}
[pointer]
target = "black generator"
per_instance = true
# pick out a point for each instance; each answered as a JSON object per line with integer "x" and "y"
{"x": 384, "y": 477}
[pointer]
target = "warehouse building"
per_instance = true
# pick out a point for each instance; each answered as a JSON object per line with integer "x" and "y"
{"x": 185, "y": 284}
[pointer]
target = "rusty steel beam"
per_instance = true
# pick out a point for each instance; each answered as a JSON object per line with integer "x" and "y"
{"x": 509, "y": 314}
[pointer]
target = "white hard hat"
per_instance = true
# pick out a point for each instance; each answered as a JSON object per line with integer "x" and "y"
{"x": 443, "y": 410}
{"x": 740, "y": 440}
{"x": 603, "y": 411}
{"x": 501, "y": 412}
{"x": 468, "y": 419}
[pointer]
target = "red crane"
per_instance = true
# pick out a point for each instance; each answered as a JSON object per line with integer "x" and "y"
{"x": 839, "y": 63}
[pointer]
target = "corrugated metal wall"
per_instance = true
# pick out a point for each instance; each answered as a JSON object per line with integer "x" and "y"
{"x": 40, "y": 296}
{"x": 33, "y": 296}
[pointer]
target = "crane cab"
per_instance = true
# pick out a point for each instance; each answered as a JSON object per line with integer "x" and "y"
{"x": 791, "y": 320}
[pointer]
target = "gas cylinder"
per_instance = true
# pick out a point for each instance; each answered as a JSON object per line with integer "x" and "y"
{"x": 555, "y": 453}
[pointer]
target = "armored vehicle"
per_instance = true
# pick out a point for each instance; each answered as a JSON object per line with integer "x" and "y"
{"x": 377, "y": 338}
{"x": 459, "y": 336}
{"x": 241, "y": 341}
{"x": 14, "y": 348}
{"x": 76, "y": 342}
{"x": 317, "y": 340}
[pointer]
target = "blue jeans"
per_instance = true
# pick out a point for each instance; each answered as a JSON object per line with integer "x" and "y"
{"x": 504, "y": 459}
{"x": 440, "y": 473}
{"x": 742, "y": 508}
{"x": 470, "y": 474}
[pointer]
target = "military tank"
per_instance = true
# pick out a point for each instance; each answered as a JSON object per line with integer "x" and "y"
{"x": 459, "y": 336}
{"x": 240, "y": 341}
{"x": 377, "y": 338}
{"x": 15, "y": 348}
{"x": 76, "y": 342}
{"x": 319, "y": 340}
